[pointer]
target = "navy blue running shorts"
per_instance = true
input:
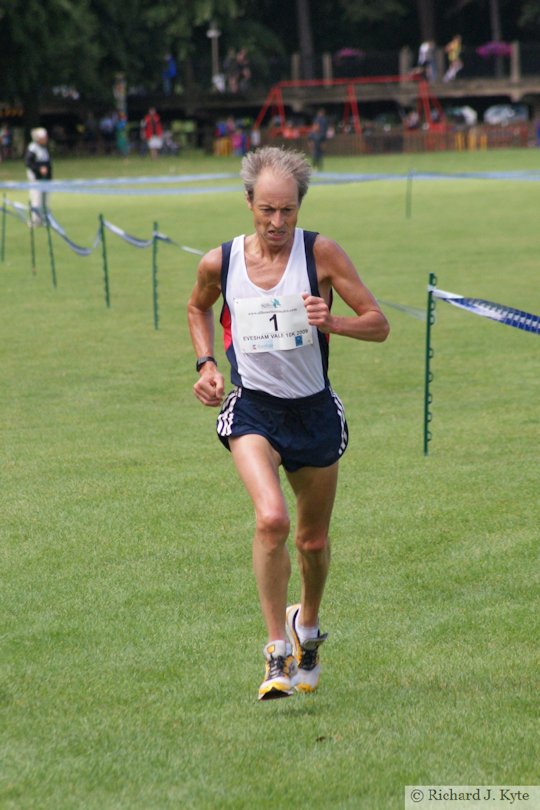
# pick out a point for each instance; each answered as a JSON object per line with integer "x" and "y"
{"x": 306, "y": 432}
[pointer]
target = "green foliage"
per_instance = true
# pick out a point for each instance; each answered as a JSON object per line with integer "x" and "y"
{"x": 44, "y": 44}
{"x": 529, "y": 20}
{"x": 373, "y": 10}
{"x": 85, "y": 42}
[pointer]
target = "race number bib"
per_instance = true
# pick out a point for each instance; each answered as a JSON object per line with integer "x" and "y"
{"x": 272, "y": 324}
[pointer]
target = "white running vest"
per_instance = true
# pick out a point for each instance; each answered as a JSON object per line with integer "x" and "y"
{"x": 290, "y": 373}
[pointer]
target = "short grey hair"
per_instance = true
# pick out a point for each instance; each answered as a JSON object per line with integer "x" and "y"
{"x": 38, "y": 134}
{"x": 286, "y": 162}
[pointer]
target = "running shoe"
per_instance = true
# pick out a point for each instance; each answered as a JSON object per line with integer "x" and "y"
{"x": 280, "y": 667}
{"x": 306, "y": 655}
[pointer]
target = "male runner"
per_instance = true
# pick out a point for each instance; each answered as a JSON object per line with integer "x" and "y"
{"x": 277, "y": 287}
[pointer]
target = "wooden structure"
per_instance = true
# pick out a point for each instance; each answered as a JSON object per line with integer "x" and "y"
{"x": 408, "y": 90}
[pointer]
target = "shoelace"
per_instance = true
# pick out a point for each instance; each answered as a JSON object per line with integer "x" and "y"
{"x": 276, "y": 667}
{"x": 308, "y": 659}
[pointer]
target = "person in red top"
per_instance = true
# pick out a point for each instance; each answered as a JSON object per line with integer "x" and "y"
{"x": 153, "y": 132}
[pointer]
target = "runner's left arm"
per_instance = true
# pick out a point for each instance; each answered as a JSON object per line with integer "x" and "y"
{"x": 336, "y": 270}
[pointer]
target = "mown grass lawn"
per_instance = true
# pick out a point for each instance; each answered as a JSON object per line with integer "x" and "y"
{"x": 131, "y": 631}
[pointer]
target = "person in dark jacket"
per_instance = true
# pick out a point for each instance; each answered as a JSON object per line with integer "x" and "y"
{"x": 38, "y": 167}
{"x": 317, "y": 137}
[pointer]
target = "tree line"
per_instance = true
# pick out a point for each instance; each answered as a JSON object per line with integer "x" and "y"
{"x": 84, "y": 43}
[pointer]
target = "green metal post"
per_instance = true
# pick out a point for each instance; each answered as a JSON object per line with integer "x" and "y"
{"x": 154, "y": 276}
{"x": 428, "y": 398}
{"x": 3, "y": 246}
{"x": 105, "y": 263}
{"x": 51, "y": 252}
{"x": 32, "y": 238}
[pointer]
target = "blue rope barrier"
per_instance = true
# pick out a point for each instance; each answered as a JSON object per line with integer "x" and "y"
{"x": 502, "y": 314}
{"x": 128, "y": 185}
{"x": 21, "y": 211}
{"x": 81, "y": 251}
{"x": 495, "y": 312}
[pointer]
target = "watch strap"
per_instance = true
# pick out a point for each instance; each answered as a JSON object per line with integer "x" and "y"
{"x": 202, "y": 360}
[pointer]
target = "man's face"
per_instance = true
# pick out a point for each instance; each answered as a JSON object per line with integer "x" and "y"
{"x": 275, "y": 207}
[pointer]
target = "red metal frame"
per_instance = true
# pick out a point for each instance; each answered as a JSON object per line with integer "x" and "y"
{"x": 429, "y": 108}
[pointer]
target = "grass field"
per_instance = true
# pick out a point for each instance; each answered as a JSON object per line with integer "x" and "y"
{"x": 131, "y": 632}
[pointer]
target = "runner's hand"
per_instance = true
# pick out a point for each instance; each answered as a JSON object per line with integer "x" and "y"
{"x": 210, "y": 386}
{"x": 318, "y": 313}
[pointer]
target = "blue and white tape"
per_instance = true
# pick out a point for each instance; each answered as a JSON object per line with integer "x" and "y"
{"x": 132, "y": 240}
{"x": 488, "y": 309}
{"x": 81, "y": 251}
{"x": 174, "y": 184}
{"x": 19, "y": 210}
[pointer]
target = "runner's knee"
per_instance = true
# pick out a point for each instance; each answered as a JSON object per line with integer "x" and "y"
{"x": 273, "y": 526}
{"x": 312, "y": 543}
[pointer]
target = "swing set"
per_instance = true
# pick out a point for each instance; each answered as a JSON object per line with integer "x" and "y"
{"x": 430, "y": 115}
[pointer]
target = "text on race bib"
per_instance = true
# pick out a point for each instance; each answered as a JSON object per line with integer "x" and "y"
{"x": 270, "y": 324}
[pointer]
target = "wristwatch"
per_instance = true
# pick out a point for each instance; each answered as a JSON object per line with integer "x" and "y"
{"x": 202, "y": 360}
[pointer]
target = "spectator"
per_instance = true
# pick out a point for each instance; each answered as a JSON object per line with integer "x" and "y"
{"x": 412, "y": 120}
{"x": 453, "y": 51}
{"x": 170, "y": 147}
{"x": 107, "y": 131}
{"x": 426, "y": 60}
{"x": 38, "y": 168}
{"x": 255, "y": 137}
{"x": 6, "y": 140}
{"x": 153, "y": 132}
{"x": 243, "y": 70}
{"x": 317, "y": 137}
{"x": 169, "y": 74}
{"x": 122, "y": 143}
{"x": 239, "y": 142}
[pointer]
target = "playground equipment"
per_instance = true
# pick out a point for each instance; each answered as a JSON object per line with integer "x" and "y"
{"x": 401, "y": 89}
